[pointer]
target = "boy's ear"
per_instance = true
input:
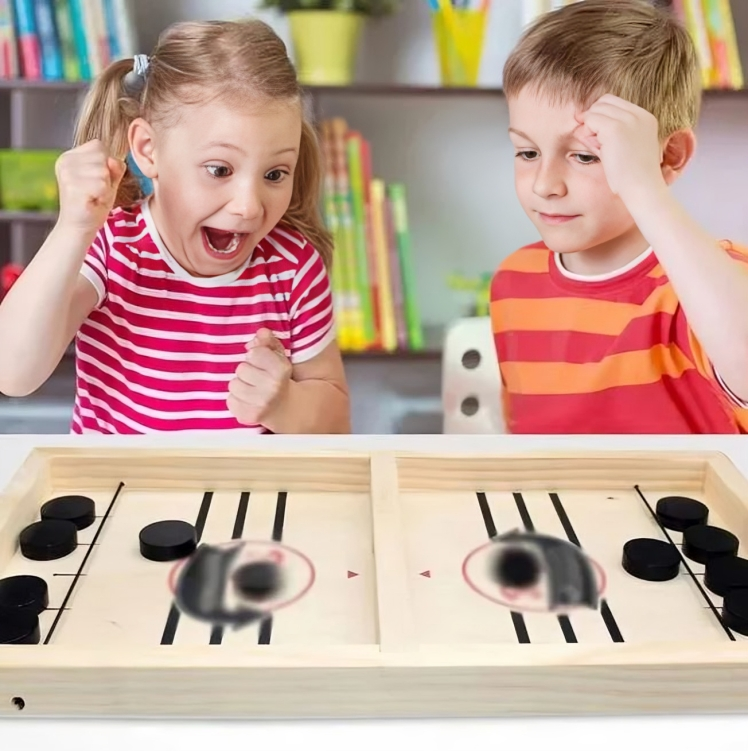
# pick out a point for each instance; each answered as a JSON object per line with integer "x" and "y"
{"x": 677, "y": 152}
{"x": 143, "y": 146}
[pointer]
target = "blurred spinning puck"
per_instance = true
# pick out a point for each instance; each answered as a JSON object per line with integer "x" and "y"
{"x": 517, "y": 568}
{"x": 258, "y": 580}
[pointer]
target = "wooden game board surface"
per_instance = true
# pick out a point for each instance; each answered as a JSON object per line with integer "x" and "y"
{"x": 389, "y": 611}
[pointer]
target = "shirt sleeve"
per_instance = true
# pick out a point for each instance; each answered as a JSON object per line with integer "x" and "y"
{"x": 95, "y": 264}
{"x": 311, "y": 309}
{"x": 697, "y": 353}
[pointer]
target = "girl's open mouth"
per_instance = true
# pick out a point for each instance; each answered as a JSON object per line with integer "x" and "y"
{"x": 222, "y": 243}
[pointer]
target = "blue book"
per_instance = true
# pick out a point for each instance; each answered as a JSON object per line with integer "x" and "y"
{"x": 110, "y": 17}
{"x": 77, "y": 12}
{"x": 49, "y": 40}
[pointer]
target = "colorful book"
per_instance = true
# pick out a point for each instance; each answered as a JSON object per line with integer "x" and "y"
{"x": 398, "y": 195}
{"x": 360, "y": 232}
{"x": 381, "y": 253}
{"x": 66, "y": 36}
{"x": 49, "y": 43}
{"x": 8, "y": 45}
{"x": 29, "y": 48}
{"x": 78, "y": 19}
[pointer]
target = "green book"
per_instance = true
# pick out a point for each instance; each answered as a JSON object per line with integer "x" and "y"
{"x": 397, "y": 195}
{"x": 356, "y": 182}
{"x": 64, "y": 20}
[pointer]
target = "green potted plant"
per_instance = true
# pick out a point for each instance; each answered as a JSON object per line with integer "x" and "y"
{"x": 326, "y": 34}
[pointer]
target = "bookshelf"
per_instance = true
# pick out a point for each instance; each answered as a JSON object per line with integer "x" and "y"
{"x": 21, "y": 224}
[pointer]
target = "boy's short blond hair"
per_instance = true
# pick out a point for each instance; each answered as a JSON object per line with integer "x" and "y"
{"x": 628, "y": 48}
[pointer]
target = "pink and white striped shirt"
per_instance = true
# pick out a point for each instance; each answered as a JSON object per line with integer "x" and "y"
{"x": 158, "y": 351}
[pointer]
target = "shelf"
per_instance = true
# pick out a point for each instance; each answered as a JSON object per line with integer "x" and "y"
{"x": 426, "y": 354}
{"x": 21, "y": 84}
{"x": 32, "y": 217}
{"x": 398, "y": 355}
{"x": 415, "y": 90}
{"x": 363, "y": 89}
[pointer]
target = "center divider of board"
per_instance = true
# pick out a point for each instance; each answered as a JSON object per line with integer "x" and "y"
{"x": 396, "y": 625}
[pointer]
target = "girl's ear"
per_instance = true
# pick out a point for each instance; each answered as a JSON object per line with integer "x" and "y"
{"x": 143, "y": 147}
{"x": 677, "y": 152}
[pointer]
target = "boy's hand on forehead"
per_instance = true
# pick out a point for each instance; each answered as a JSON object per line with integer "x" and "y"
{"x": 261, "y": 381}
{"x": 625, "y": 139}
{"x": 88, "y": 180}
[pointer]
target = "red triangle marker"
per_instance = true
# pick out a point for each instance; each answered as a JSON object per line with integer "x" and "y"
{"x": 427, "y": 574}
{"x": 351, "y": 574}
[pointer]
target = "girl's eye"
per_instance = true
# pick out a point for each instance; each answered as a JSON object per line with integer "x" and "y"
{"x": 586, "y": 158}
{"x": 218, "y": 171}
{"x": 275, "y": 175}
{"x": 527, "y": 154}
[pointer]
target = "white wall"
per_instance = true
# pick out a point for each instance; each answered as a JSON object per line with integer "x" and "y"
{"x": 454, "y": 154}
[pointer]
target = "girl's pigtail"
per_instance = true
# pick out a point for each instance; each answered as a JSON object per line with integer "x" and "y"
{"x": 109, "y": 108}
{"x": 303, "y": 213}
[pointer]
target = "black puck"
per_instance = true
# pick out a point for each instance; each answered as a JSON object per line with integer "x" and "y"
{"x": 24, "y": 592}
{"x": 724, "y": 573}
{"x": 678, "y": 513}
{"x": 48, "y": 540}
{"x": 651, "y": 560}
{"x": 19, "y": 626}
{"x": 258, "y": 580}
{"x": 71, "y": 508}
{"x": 735, "y": 610}
{"x": 517, "y": 568}
{"x": 703, "y": 542}
{"x": 168, "y": 540}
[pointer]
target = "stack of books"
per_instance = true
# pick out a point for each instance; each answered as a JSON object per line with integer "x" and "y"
{"x": 63, "y": 40}
{"x": 373, "y": 279}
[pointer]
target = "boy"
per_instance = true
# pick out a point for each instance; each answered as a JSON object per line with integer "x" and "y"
{"x": 627, "y": 317}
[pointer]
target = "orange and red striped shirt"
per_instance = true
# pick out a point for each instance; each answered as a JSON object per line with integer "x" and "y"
{"x": 607, "y": 354}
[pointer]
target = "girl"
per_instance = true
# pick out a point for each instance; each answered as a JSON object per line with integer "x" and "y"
{"x": 207, "y": 304}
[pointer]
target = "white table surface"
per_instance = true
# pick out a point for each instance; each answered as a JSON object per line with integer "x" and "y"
{"x": 642, "y": 733}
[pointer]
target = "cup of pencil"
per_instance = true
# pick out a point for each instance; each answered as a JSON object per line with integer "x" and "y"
{"x": 459, "y": 28}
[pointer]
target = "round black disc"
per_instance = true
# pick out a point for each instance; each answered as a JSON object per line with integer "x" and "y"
{"x": 702, "y": 543}
{"x": 258, "y": 580}
{"x": 48, "y": 540}
{"x": 19, "y": 626}
{"x": 24, "y": 592}
{"x": 517, "y": 568}
{"x": 167, "y": 540}
{"x": 678, "y": 513}
{"x": 651, "y": 560}
{"x": 72, "y": 508}
{"x": 735, "y": 610}
{"x": 724, "y": 573}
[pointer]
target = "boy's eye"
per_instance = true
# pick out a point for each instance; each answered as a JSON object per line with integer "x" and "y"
{"x": 586, "y": 158}
{"x": 527, "y": 154}
{"x": 218, "y": 171}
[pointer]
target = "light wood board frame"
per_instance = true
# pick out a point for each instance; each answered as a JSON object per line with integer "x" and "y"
{"x": 396, "y": 675}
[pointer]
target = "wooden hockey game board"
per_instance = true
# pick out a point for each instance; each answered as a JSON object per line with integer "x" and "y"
{"x": 387, "y": 609}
